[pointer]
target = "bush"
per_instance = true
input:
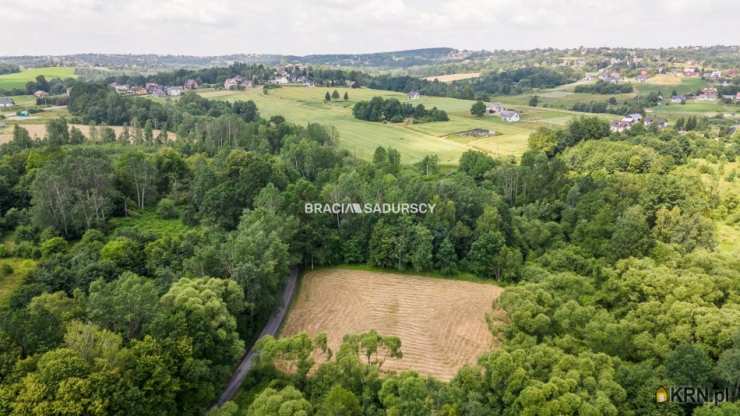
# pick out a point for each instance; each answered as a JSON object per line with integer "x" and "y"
{"x": 25, "y": 233}
{"x": 3, "y": 251}
{"x": 27, "y": 249}
{"x": 53, "y": 246}
{"x": 6, "y": 270}
{"x": 166, "y": 209}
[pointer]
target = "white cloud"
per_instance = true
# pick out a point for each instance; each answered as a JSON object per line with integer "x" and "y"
{"x": 330, "y": 26}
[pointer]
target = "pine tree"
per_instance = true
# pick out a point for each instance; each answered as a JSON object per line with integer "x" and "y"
{"x": 346, "y": 96}
{"x": 327, "y": 97}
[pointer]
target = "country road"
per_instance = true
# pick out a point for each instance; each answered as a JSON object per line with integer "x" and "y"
{"x": 271, "y": 328}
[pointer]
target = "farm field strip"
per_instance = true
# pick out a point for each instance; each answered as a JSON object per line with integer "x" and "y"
{"x": 19, "y": 79}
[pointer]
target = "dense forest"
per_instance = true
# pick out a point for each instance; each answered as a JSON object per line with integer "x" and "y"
{"x": 392, "y": 110}
{"x": 607, "y": 243}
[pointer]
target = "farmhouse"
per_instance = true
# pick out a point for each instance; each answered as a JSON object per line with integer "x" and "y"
{"x": 174, "y": 91}
{"x": 6, "y": 102}
{"x": 707, "y": 94}
{"x": 247, "y": 83}
{"x": 41, "y": 94}
{"x": 190, "y": 84}
{"x": 493, "y": 108}
{"x": 280, "y": 81}
{"x": 414, "y": 95}
{"x": 678, "y": 99}
{"x": 618, "y": 126}
{"x": 510, "y": 116}
{"x": 232, "y": 83}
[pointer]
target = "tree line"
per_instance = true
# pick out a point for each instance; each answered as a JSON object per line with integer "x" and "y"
{"x": 394, "y": 111}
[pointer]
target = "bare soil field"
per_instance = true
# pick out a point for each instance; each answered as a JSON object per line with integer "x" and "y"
{"x": 453, "y": 77}
{"x": 441, "y": 323}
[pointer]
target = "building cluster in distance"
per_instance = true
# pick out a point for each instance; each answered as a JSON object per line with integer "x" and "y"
{"x": 628, "y": 121}
{"x": 154, "y": 89}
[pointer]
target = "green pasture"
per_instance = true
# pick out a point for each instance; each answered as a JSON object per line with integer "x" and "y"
{"x": 19, "y": 79}
{"x": 305, "y": 105}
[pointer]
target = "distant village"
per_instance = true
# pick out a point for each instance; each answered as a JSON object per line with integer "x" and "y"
{"x": 284, "y": 75}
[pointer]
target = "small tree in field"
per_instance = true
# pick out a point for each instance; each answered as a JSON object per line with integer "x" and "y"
{"x": 335, "y": 95}
{"x": 478, "y": 109}
{"x": 346, "y": 96}
{"x": 327, "y": 97}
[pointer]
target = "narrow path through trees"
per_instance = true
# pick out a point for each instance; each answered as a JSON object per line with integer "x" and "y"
{"x": 271, "y": 328}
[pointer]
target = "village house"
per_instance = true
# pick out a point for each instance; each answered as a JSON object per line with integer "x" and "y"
{"x": 190, "y": 84}
{"x": 493, "y": 108}
{"x": 174, "y": 91}
{"x": 707, "y": 94}
{"x": 232, "y": 83}
{"x": 690, "y": 72}
{"x": 139, "y": 91}
{"x": 414, "y": 95}
{"x": 40, "y": 94}
{"x": 283, "y": 80}
{"x": 6, "y": 102}
{"x": 715, "y": 75}
{"x": 678, "y": 99}
{"x": 247, "y": 83}
{"x": 633, "y": 118}
{"x": 618, "y": 126}
{"x": 509, "y": 116}
{"x": 737, "y": 97}
{"x": 151, "y": 87}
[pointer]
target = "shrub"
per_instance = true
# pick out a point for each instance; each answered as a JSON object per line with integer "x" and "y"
{"x": 27, "y": 249}
{"x": 53, "y": 246}
{"x": 166, "y": 209}
{"x": 6, "y": 269}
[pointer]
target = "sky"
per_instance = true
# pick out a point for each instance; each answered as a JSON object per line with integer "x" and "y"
{"x": 218, "y": 27}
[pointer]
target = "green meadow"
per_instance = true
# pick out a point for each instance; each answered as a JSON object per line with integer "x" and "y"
{"x": 19, "y": 79}
{"x": 303, "y": 105}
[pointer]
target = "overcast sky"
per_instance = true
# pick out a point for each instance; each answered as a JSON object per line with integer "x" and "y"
{"x": 216, "y": 27}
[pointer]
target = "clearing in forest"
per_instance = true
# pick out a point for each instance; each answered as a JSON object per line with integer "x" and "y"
{"x": 441, "y": 322}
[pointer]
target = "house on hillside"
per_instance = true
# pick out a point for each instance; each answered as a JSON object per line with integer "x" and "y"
{"x": 280, "y": 81}
{"x": 509, "y": 116}
{"x": 414, "y": 95}
{"x": 707, "y": 94}
{"x": 232, "y": 83}
{"x": 151, "y": 87}
{"x": 690, "y": 72}
{"x": 6, "y": 102}
{"x": 41, "y": 94}
{"x": 494, "y": 108}
{"x": 247, "y": 83}
{"x": 678, "y": 99}
{"x": 618, "y": 126}
{"x": 190, "y": 84}
{"x": 633, "y": 118}
{"x": 174, "y": 91}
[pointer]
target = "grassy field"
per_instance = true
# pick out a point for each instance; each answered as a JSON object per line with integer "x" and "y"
{"x": 149, "y": 222}
{"x": 414, "y": 141}
{"x": 8, "y": 283}
{"x": 441, "y": 323}
{"x": 19, "y": 79}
